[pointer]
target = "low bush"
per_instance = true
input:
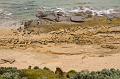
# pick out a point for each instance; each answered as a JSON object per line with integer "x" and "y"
{"x": 46, "y": 73}
{"x": 71, "y": 74}
{"x": 104, "y": 74}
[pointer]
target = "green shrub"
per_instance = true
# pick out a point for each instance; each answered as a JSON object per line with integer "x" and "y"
{"x": 39, "y": 74}
{"x": 46, "y": 73}
{"x": 10, "y": 73}
{"x": 29, "y": 67}
{"x": 36, "y": 67}
{"x": 71, "y": 74}
{"x": 59, "y": 72}
{"x": 47, "y": 70}
{"x": 104, "y": 74}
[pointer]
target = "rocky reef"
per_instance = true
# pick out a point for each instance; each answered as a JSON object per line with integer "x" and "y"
{"x": 57, "y": 27}
{"x": 84, "y": 37}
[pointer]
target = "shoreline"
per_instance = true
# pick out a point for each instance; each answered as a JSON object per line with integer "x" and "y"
{"x": 91, "y": 45}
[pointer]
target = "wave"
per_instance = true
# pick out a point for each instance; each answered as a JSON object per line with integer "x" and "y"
{"x": 5, "y": 14}
{"x": 82, "y": 9}
{"x": 6, "y": 19}
{"x": 27, "y": 13}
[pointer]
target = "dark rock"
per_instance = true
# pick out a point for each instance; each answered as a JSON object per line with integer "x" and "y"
{"x": 50, "y": 17}
{"x": 62, "y": 18}
{"x": 79, "y": 14}
{"x": 60, "y": 14}
{"x": 112, "y": 16}
{"x": 41, "y": 14}
{"x": 27, "y": 23}
{"x": 77, "y": 19}
{"x": 117, "y": 15}
{"x": 87, "y": 14}
{"x": 57, "y": 17}
{"x": 34, "y": 23}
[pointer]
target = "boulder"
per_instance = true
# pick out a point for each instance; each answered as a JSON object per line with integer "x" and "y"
{"x": 50, "y": 17}
{"x": 79, "y": 14}
{"x": 27, "y": 23}
{"x": 87, "y": 14}
{"x": 63, "y": 18}
{"x": 41, "y": 14}
{"x": 77, "y": 19}
{"x": 116, "y": 15}
{"x": 112, "y": 16}
{"x": 60, "y": 13}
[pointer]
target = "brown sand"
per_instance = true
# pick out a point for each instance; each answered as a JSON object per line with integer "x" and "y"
{"x": 51, "y": 57}
{"x": 28, "y": 50}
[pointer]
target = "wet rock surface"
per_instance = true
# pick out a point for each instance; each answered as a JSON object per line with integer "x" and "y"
{"x": 77, "y": 19}
{"x": 61, "y": 16}
{"x": 57, "y": 27}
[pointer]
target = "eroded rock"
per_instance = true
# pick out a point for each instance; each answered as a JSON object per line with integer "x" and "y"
{"x": 77, "y": 19}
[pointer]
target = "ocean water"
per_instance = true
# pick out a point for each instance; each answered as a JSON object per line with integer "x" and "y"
{"x": 26, "y": 9}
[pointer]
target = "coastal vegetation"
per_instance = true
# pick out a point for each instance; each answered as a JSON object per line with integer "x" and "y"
{"x": 46, "y": 73}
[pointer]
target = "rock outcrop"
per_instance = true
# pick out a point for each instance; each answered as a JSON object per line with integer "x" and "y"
{"x": 62, "y": 17}
{"x": 77, "y": 19}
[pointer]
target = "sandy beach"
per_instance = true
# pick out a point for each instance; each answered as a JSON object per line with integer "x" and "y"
{"x": 83, "y": 61}
{"x": 59, "y": 39}
{"x": 97, "y": 48}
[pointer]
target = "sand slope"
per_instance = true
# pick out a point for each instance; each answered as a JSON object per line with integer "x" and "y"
{"x": 51, "y": 57}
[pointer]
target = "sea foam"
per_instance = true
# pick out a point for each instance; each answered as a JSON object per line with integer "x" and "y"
{"x": 82, "y": 9}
